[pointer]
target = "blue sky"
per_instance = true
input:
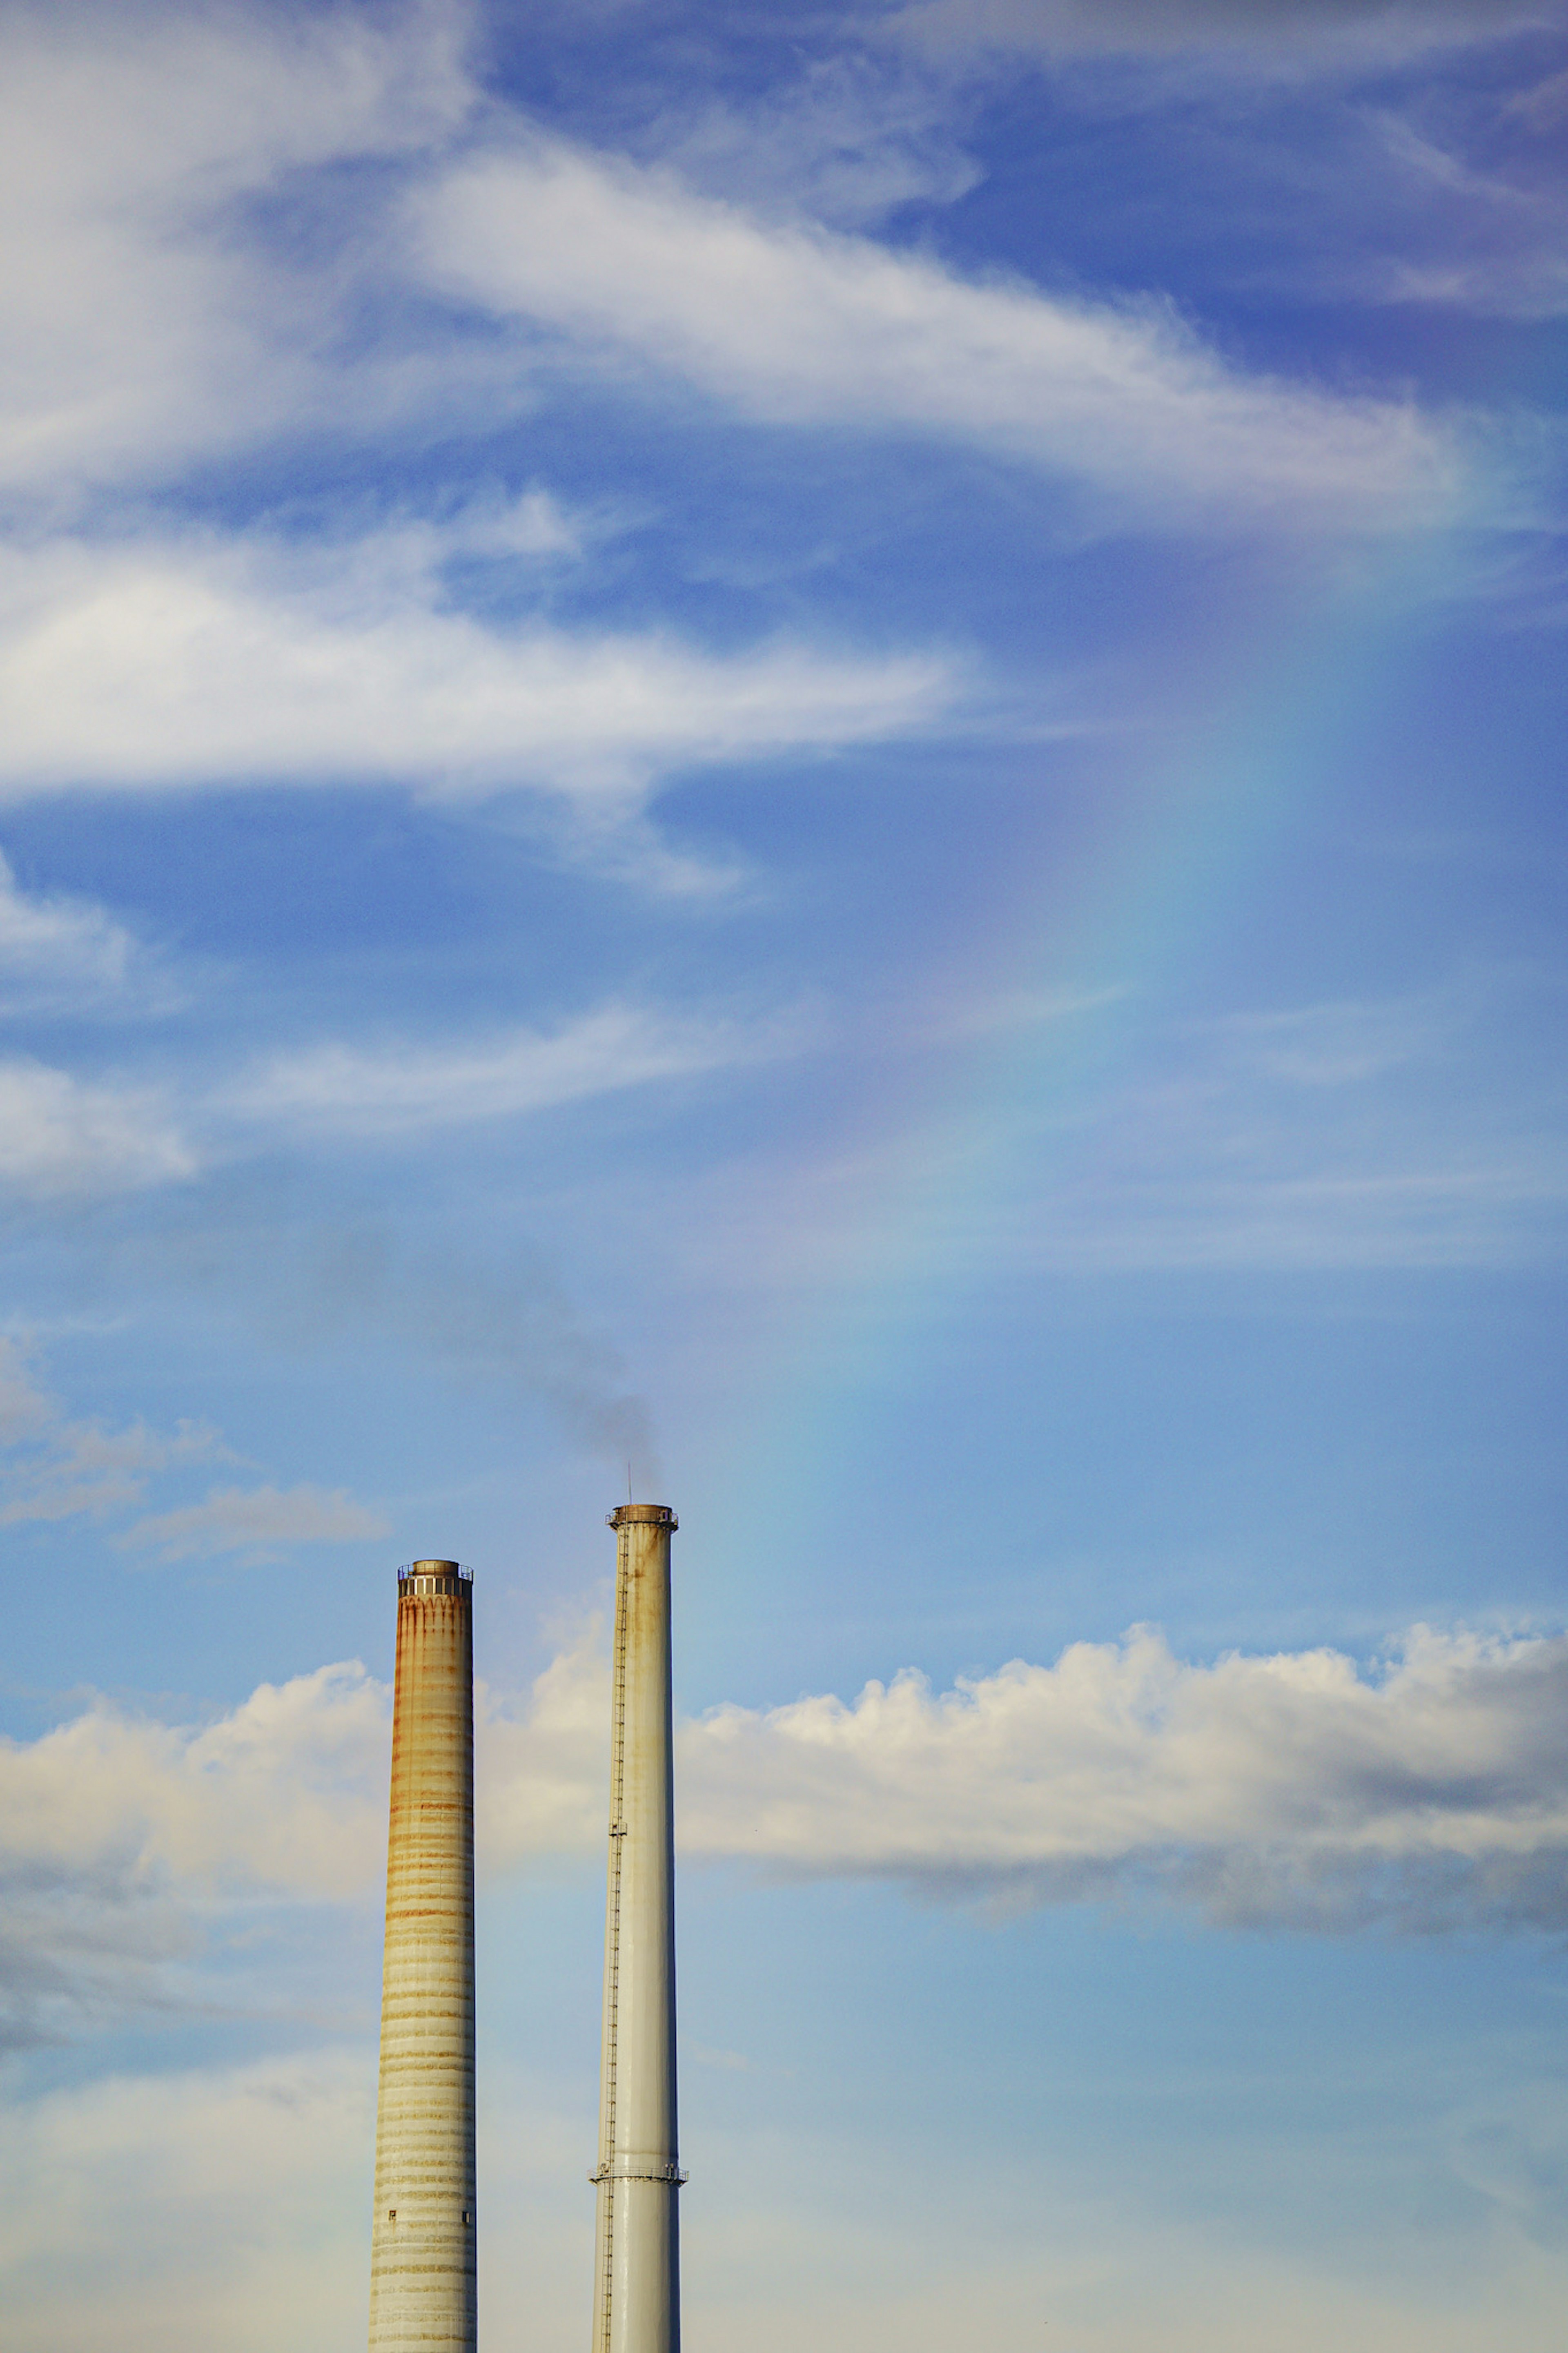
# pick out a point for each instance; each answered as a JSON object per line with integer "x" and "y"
{"x": 816, "y": 752}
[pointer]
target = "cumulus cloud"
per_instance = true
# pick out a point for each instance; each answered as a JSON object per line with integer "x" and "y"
{"x": 1263, "y": 1791}
{"x": 801, "y": 325}
{"x": 403, "y": 1090}
{"x": 131, "y": 1848}
{"x": 263, "y": 1797}
{"x": 1430, "y": 1793}
{"x": 541, "y": 1771}
{"x": 258, "y": 1521}
{"x": 123, "y": 1839}
{"x": 146, "y": 665}
{"x": 123, "y": 1834}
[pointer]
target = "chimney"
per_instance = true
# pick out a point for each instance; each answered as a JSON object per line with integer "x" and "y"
{"x": 422, "y": 2266}
{"x": 636, "y": 2277}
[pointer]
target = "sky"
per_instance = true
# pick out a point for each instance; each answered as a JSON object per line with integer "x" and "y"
{"x": 808, "y": 760}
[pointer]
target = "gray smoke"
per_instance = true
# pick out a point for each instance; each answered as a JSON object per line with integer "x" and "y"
{"x": 246, "y": 1247}
{"x": 490, "y": 1327}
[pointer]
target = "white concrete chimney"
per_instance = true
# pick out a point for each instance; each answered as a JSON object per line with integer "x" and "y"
{"x": 636, "y": 2278}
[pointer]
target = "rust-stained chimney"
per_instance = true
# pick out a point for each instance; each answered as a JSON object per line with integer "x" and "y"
{"x": 421, "y": 2267}
{"x": 637, "y": 2279}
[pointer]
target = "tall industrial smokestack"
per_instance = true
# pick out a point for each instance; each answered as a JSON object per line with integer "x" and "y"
{"x": 422, "y": 2270}
{"x": 637, "y": 2276}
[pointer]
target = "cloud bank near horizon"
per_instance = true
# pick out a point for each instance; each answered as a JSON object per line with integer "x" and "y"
{"x": 1292, "y": 1791}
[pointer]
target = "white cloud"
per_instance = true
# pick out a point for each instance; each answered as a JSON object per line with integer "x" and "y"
{"x": 143, "y": 666}
{"x": 845, "y": 143}
{"x": 156, "y": 318}
{"x": 180, "y": 2210}
{"x": 58, "y": 953}
{"x": 281, "y": 1794}
{"x": 540, "y": 1765}
{"x": 802, "y": 326}
{"x": 52, "y": 1468}
{"x": 190, "y": 2209}
{"x": 258, "y": 1522}
{"x": 1430, "y": 1793}
{"x": 403, "y": 1090}
{"x": 147, "y": 320}
{"x": 123, "y": 1840}
{"x": 63, "y": 1136}
{"x": 129, "y": 1847}
{"x": 1292, "y": 1789}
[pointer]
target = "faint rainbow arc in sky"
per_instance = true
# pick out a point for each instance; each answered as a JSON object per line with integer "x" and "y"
{"x": 1188, "y": 832}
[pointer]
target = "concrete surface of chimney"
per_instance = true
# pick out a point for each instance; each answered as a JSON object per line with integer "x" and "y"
{"x": 423, "y": 2275}
{"x": 637, "y": 2279}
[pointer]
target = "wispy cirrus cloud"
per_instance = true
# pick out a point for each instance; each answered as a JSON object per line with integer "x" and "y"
{"x": 56, "y": 1467}
{"x": 406, "y": 1088}
{"x": 149, "y": 322}
{"x": 53, "y": 1467}
{"x": 202, "y": 332}
{"x": 159, "y": 322}
{"x": 1293, "y": 32}
{"x": 61, "y": 953}
{"x": 258, "y": 1521}
{"x": 791, "y": 324}
{"x": 62, "y": 1137}
{"x": 70, "y": 1139}
{"x": 483, "y": 264}
{"x": 1323, "y": 1135}
{"x": 149, "y": 665}
{"x": 1407, "y": 1132}
{"x": 1498, "y": 222}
